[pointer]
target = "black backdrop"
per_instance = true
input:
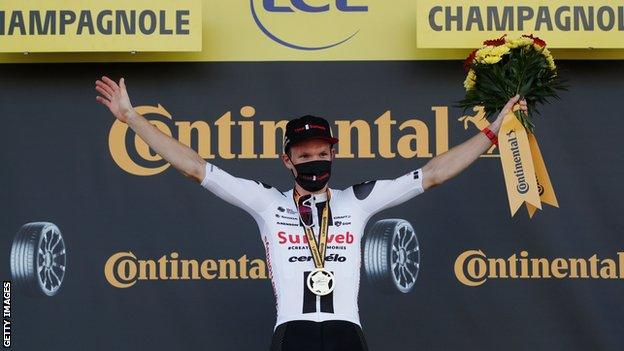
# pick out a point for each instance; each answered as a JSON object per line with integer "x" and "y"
{"x": 57, "y": 167}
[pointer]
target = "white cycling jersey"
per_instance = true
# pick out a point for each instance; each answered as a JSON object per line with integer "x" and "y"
{"x": 288, "y": 256}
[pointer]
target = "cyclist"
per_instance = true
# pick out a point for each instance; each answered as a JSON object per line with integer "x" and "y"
{"x": 313, "y": 264}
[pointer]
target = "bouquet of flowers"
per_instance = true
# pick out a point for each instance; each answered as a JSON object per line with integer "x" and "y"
{"x": 505, "y": 67}
{"x": 499, "y": 70}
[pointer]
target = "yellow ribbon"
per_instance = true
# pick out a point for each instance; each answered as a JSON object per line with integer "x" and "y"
{"x": 526, "y": 178}
{"x": 545, "y": 188}
{"x": 517, "y": 162}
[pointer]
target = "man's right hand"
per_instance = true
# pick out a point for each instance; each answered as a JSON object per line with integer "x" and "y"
{"x": 115, "y": 97}
{"x": 180, "y": 156}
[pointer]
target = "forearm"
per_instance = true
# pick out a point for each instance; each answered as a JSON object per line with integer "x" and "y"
{"x": 180, "y": 156}
{"x": 452, "y": 162}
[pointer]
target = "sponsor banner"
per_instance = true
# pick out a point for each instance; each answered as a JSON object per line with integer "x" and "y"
{"x": 384, "y": 136}
{"x": 304, "y": 30}
{"x": 474, "y": 268}
{"x": 562, "y": 23}
{"x": 127, "y": 244}
{"x": 124, "y": 269}
{"x": 115, "y": 25}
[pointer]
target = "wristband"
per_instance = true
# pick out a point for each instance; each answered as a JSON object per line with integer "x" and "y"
{"x": 490, "y": 134}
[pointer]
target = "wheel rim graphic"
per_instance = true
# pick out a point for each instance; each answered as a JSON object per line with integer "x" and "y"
{"x": 51, "y": 260}
{"x": 405, "y": 257}
{"x": 391, "y": 256}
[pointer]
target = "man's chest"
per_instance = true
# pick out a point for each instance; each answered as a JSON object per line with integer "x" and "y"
{"x": 286, "y": 231}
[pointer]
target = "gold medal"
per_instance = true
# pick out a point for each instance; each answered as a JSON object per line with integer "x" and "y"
{"x": 320, "y": 281}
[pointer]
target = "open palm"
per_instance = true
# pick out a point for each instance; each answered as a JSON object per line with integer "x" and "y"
{"x": 114, "y": 96}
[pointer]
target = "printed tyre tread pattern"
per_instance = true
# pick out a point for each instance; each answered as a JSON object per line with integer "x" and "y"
{"x": 23, "y": 258}
{"x": 377, "y": 260}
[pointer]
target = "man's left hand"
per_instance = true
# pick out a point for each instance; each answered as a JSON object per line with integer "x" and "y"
{"x": 495, "y": 126}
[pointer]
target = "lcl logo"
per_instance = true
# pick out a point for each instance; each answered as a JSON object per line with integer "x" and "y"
{"x": 274, "y": 8}
{"x": 301, "y": 5}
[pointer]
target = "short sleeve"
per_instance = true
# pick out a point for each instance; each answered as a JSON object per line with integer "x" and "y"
{"x": 251, "y": 195}
{"x": 376, "y": 195}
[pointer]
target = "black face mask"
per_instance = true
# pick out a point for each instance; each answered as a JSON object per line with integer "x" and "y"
{"x": 313, "y": 175}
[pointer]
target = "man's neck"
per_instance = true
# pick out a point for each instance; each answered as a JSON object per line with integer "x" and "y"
{"x": 301, "y": 191}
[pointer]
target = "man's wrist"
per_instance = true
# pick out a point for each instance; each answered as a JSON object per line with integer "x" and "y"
{"x": 495, "y": 126}
{"x": 130, "y": 115}
{"x": 491, "y": 135}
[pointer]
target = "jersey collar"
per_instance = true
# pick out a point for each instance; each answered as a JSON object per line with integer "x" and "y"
{"x": 316, "y": 198}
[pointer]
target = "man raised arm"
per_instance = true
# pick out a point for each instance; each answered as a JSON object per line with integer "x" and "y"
{"x": 184, "y": 159}
{"x": 449, "y": 164}
{"x": 247, "y": 194}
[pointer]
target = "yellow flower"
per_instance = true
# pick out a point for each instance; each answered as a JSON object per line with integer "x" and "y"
{"x": 492, "y": 59}
{"x": 511, "y": 44}
{"x": 499, "y": 50}
{"x": 520, "y": 42}
{"x": 551, "y": 63}
{"x": 524, "y": 41}
{"x": 549, "y": 59}
{"x": 471, "y": 80}
{"x": 483, "y": 52}
{"x": 491, "y": 54}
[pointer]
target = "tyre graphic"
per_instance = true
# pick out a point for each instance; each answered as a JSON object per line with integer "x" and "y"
{"x": 392, "y": 255}
{"x": 38, "y": 259}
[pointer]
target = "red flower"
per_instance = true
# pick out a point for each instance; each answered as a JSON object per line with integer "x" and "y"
{"x": 536, "y": 40}
{"x": 496, "y": 42}
{"x": 469, "y": 60}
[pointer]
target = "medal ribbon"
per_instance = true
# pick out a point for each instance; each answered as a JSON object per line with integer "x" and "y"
{"x": 317, "y": 249}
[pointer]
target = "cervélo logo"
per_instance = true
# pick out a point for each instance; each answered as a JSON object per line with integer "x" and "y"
{"x": 306, "y": 24}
